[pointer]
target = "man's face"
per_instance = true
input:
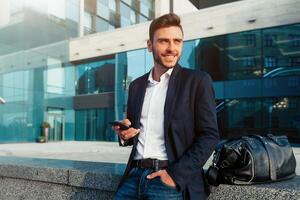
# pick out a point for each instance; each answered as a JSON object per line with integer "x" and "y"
{"x": 166, "y": 46}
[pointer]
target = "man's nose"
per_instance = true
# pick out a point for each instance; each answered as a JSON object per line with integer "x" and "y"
{"x": 171, "y": 46}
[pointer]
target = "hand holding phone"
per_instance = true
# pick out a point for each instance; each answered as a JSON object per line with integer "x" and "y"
{"x": 125, "y": 130}
{"x": 122, "y": 126}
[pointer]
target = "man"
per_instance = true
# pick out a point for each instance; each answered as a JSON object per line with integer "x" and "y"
{"x": 172, "y": 119}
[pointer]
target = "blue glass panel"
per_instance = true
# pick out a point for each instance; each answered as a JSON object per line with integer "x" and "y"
{"x": 276, "y": 115}
{"x": 243, "y": 116}
{"x": 120, "y": 95}
{"x": 95, "y": 77}
{"x": 93, "y": 125}
{"x": 211, "y": 57}
{"x": 149, "y": 63}
{"x": 30, "y": 86}
{"x": 257, "y": 72}
{"x": 102, "y": 10}
{"x": 136, "y": 65}
{"x": 281, "y": 51}
{"x": 101, "y": 25}
{"x": 188, "y": 54}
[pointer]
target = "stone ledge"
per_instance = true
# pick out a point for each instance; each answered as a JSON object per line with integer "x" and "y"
{"x": 93, "y": 175}
{"x": 17, "y": 189}
{"x": 38, "y": 179}
{"x": 283, "y": 190}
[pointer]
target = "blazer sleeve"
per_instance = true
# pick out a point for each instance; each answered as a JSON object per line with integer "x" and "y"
{"x": 206, "y": 136}
{"x": 129, "y": 116}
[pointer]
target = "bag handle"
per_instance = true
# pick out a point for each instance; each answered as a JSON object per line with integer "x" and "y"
{"x": 272, "y": 159}
{"x": 213, "y": 171}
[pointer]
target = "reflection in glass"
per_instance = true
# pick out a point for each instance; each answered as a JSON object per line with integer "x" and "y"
{"x": 101, "y": 25}
{"x": 56, "y": 119}
{"x": 281, "y": 116}
{"x": 211, "y": 57}
{"x": 281, "y": 51}
{"x": 88, "y": 22}
{"x": 138, "y": 63}
{"x": 116, "y": 14}
{"x": 102, "y": 10}
{"x": 253, "y": 54}
{"x": 112, "y": 5}
{"x": 262, "y": 66}
{"x": 95, "y": 77}
{"x": 256, "y": 74}
{"x": 188, "y": 54}
{"x": 277, "y": 115}
{"x": 93, "y": 125}
{"x": 34, "y": 24}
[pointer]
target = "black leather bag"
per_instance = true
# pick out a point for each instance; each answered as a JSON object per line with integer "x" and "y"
{"x": 252, "y": 159}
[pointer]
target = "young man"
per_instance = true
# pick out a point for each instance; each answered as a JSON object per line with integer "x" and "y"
{"x": 172, "y": 119}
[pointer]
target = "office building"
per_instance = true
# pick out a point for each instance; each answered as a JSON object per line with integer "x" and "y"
{"x": 70, "y": 63}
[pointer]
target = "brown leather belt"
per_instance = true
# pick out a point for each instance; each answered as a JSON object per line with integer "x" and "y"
{"x": 150, "y": 163}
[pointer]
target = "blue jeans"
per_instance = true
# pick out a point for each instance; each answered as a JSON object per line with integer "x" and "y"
{"x": 137, "y": 186}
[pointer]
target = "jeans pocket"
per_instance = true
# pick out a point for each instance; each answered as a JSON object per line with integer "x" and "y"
{"x": 164, "y": 184}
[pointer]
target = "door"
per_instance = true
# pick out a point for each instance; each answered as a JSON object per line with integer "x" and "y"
{"x": 56, "y": 120}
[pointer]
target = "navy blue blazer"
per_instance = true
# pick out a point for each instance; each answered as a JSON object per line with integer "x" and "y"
{"x": 190, "y": 126}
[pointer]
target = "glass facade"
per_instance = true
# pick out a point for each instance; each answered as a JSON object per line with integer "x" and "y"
{"x": 92, "y": 121}
{"x": 36, "y": 77}
{"x": 95, "y": 77}
{"x": 93, "y": 125}
{"x": 255, "y": 54}
{"x": 103, "y": 15}
{"x": 256, "y": 73}
{"x": 34, "y": 24}
{"x": 38, "y": 82}
{"x": 256, "y": 78}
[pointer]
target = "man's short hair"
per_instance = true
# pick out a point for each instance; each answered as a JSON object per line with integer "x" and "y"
{"x": 164, "y": 21}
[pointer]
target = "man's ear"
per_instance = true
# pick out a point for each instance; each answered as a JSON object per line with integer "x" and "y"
{"x": 149, "y": 46}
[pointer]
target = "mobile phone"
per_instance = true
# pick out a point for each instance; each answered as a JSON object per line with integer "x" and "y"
{"x": 122, "y": 126}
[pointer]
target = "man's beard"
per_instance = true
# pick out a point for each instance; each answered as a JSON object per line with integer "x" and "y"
{"x": 158, "y": 60}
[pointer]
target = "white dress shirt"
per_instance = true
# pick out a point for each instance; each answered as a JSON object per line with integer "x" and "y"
{"x": 151, "y": 142}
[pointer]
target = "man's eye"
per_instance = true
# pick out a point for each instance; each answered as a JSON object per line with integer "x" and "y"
{"x": 163, "y": 41}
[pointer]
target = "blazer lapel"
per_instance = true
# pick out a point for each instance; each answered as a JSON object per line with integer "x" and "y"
{"x": 171, "y": 96}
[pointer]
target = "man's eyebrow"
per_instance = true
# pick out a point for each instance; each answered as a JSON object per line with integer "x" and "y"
{"x": 180, "y": 39}
{"x": 162, "y": 38}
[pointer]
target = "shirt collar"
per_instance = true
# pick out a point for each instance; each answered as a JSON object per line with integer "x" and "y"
{"x": 165, "y": 75}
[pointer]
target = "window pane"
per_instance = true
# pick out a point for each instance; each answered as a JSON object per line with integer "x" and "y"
{"x": 282, "y": 55}
{"x": 102, "y": 11}
{"x": 101, "y": 25}
{"x": 112, "y": 5}
{"x": 93, "y": 125}
{"x": 96, "y": 77}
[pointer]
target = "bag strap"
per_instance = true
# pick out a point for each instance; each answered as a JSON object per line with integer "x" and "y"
{"x": 271, "y": 157}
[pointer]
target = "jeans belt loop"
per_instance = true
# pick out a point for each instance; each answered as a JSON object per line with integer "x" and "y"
{"x": 156, "y": 165}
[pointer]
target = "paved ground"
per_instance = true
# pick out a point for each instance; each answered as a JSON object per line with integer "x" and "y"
{"x": 83, "y": 151}
{"x": 73, "y": 150}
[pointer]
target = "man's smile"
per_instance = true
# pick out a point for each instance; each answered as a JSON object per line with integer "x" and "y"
{"x": 169, "y": 56}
